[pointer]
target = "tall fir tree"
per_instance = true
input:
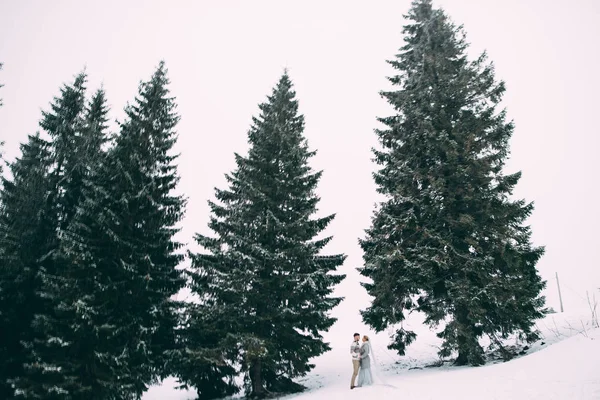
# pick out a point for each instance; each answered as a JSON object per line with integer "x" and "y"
{"x": 56, "y": 366}
{"x": 63, "y": 124}
{"x": 448, "y": 241}
{"x": 25, "y": 224}
{"x": 265, "y": 289}
{"x": 115, "y": 320}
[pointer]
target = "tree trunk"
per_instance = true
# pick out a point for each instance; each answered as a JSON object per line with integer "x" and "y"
{"x": 463, "y": 350}
{"x": 467, "y": 340}
{"x": 462, "y": 358}
{"x": 258, "y": 391}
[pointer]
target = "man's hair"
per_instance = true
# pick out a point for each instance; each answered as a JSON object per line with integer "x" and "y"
{"x": 356, "y": 334}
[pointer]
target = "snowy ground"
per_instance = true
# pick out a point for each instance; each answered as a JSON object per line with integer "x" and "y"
{"x": 568, "y": 370}
{"x": 564, "y": 365}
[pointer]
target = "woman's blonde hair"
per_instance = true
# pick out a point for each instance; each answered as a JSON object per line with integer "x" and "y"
{"x": 366, "y": 337}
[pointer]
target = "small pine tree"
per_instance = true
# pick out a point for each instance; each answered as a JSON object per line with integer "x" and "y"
{"x": 448, "y": 241}
{"x": 119, "y": 259}
{"x": 25, "y": 223}
{"x": 264, "y": 287}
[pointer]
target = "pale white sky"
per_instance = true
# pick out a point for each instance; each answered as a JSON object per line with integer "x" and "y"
{"x": 225, "y": 56}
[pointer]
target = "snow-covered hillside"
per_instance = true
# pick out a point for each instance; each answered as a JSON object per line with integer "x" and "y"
{"x": 569, "y": 370}
{"x": 565, "y": 365}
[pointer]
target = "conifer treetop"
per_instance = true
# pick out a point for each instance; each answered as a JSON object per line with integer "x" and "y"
{"x": 151, "y": 119}
{"x": 66, "y": 107}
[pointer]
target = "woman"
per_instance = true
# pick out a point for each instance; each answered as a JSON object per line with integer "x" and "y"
{"x": 365, "y": 377}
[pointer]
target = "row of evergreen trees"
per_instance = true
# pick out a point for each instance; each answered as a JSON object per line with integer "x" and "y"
{"x": 89, "y": 263}
{"x": 88, "y": 260}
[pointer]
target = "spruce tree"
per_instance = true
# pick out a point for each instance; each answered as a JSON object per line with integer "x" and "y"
{"x": 56, "y": 369}
{"x": 63, "y": 124}
{"x": 25, "y": 224}
{"x": 115, "y": 318}
{"x": 448, "y": 240}
{"x": 265, "y": 289}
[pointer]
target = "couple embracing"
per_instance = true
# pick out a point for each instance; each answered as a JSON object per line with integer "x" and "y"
{"x": 361, "y": 361}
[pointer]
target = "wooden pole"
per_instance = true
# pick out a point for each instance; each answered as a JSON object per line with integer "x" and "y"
{"x": 559, "y": 295}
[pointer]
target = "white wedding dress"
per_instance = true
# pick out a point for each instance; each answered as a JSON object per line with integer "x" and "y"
{"x": 365, "y": 375}
{"x": 369, "y": 373}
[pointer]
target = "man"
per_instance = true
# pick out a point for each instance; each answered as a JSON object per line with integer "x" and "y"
{"x": 355, "y": 352}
